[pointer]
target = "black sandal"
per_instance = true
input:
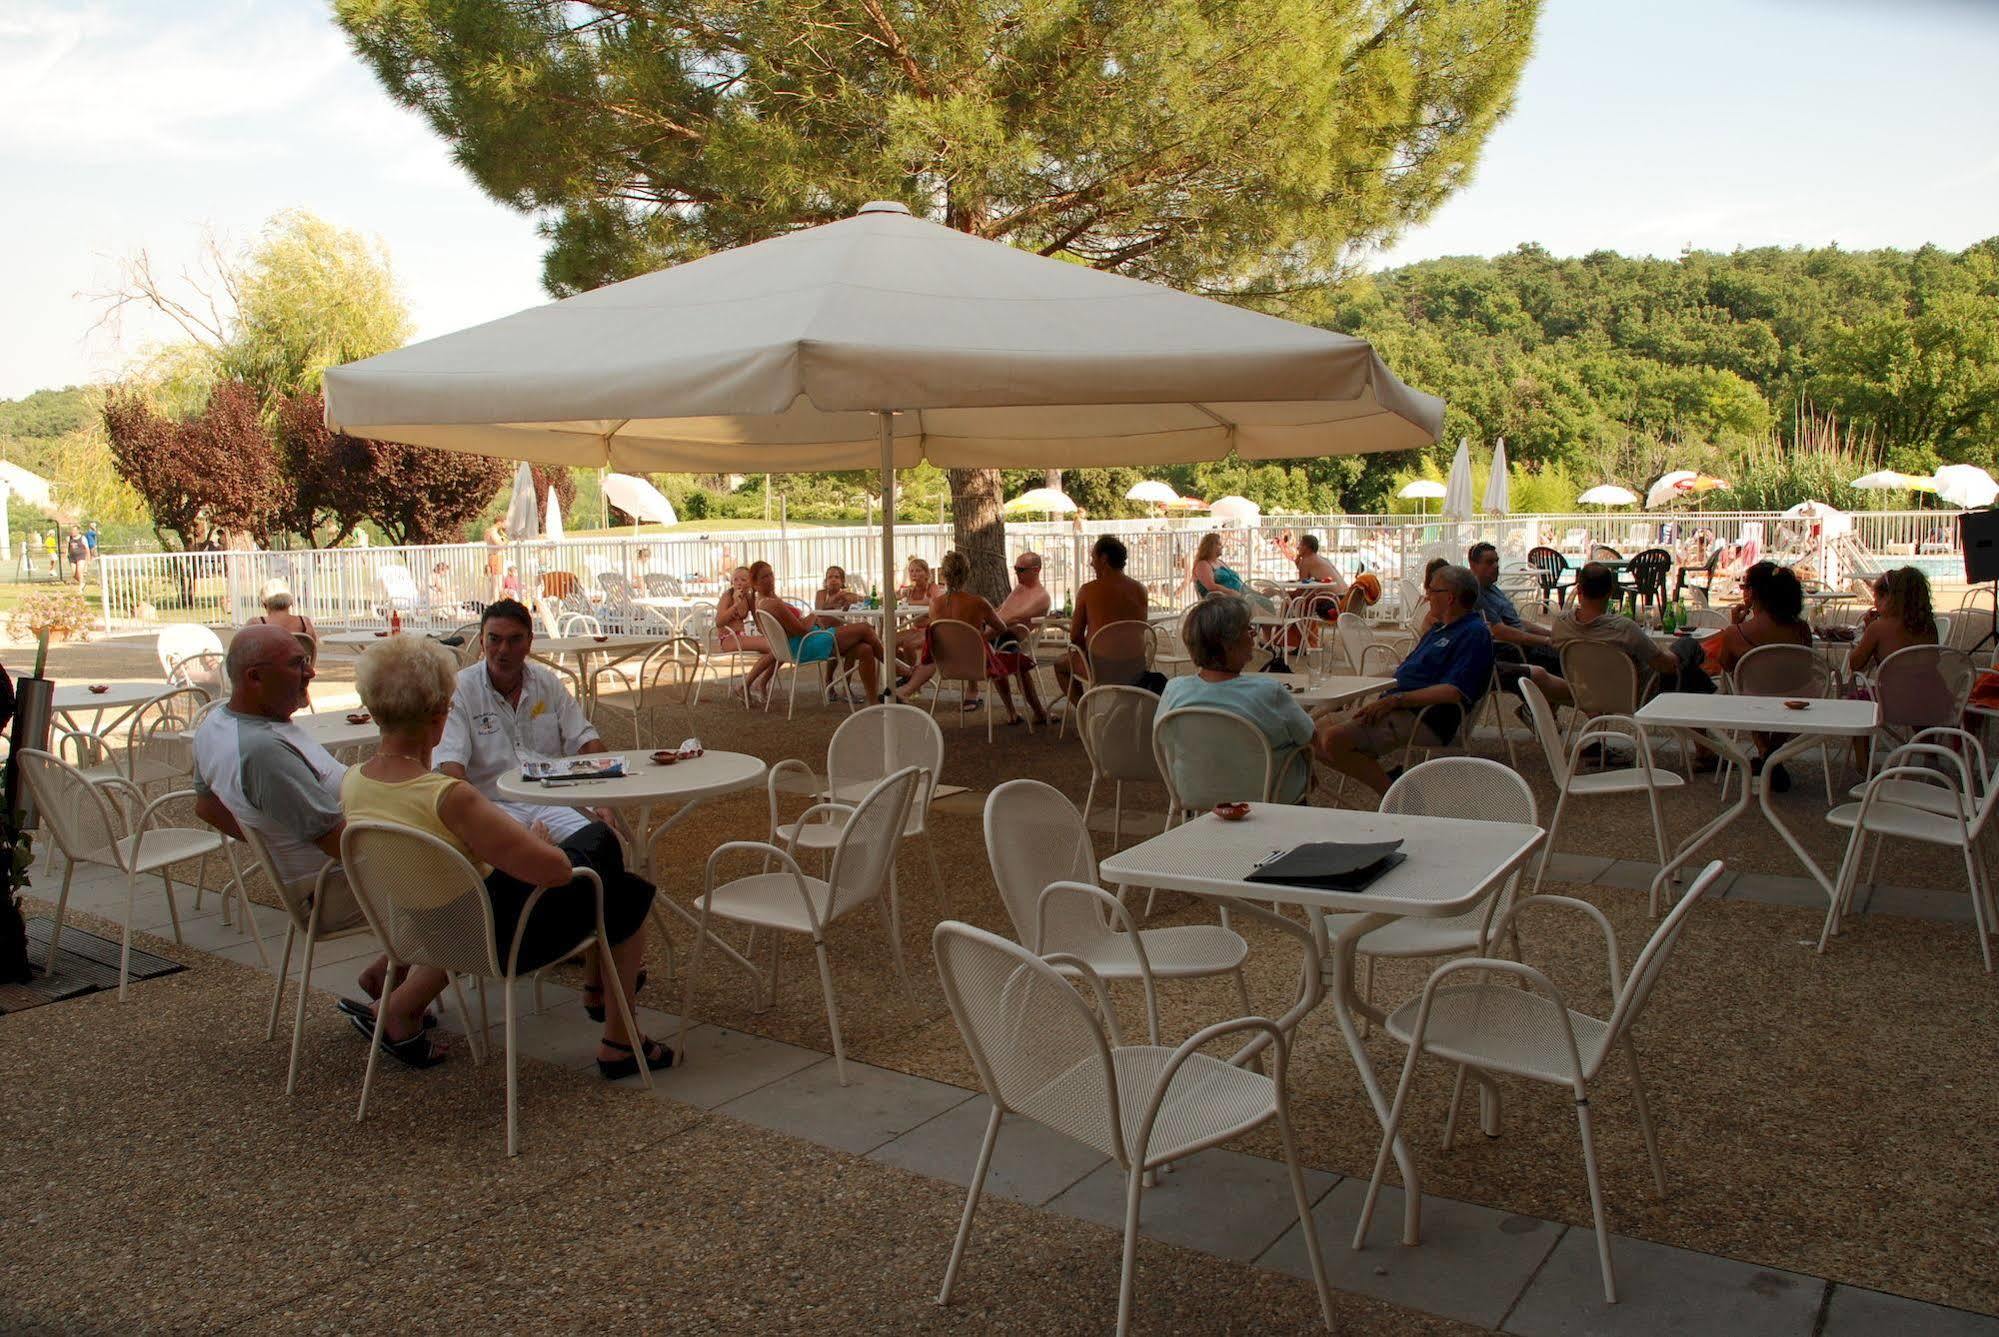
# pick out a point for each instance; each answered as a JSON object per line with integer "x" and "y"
{"x": 612, "y": 1070}
{"x": 355, "y": 1009}
{"x": 597, "y": 1013}
{"x": 415, "y": 1052}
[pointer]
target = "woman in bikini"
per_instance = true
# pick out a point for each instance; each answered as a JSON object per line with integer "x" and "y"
{"x": 733, "y": 628}
{"x": 856, "y": 644}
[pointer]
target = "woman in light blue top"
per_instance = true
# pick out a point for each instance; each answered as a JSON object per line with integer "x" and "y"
{"x": 1219, "y": 639}
{"x": 1210, "y": 575}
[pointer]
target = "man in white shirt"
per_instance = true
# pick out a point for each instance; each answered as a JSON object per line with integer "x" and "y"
{"x": 509, "y": 710}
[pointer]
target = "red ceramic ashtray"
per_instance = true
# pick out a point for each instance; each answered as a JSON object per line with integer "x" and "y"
{"x": 1232, "y": 812}
{"x": 665, "y": 757}
{"x": 100, "y": 688}
{"x": 1796, "y": 705}
{"x": 381, "y": 633}
{"x": 358, "y": 717}
{"x": 600, "y": 639}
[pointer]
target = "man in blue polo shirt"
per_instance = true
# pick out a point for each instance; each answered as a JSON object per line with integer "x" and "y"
{"x": 1449, "y": 670}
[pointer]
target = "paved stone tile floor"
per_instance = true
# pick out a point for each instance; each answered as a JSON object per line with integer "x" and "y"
{"x": 1510, "y": 1273}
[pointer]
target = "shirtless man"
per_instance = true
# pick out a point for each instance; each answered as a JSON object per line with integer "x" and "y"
{"x": 1029, "y": 597}
{"x": 1111, "y": 597}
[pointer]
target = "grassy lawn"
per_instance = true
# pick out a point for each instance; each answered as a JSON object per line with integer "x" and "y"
{"x": 13, "y": 591}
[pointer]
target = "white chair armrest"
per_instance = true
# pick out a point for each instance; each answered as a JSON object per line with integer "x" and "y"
{"x": 1270, "y": 1035}
{"x": 1119, "y": 913}
{"x": 1568, "y": 903}
{"x": 1066, "y": 961}
{"x": 769, "y": 850}
{"x": 788, "y": 765}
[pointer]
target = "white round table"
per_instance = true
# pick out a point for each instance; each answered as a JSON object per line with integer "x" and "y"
{"x": 332, "y": 730}
{"x": 644, "y": 785}
{"x": 356, "y": 641}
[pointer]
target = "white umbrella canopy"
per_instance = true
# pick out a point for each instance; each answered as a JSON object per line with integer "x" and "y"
{"x": 1423, "y": 489}
{"x": 781, "y": 355}
{"x": 523, "y": 517}
{"x": 1153, "y": 492}
{"x": 1457, "y": 487}
{"x": 552, "y": 529}
{"x": 1497, "y": 500}
{"x": 1888, "y": 480}
{"x": 1831, "y": 520}
{"x": 1050, "y": 499}
{"x": 1607, "y": 494}
{"x": 1966, "y": 486}
{"x": 1235, "y": 510}
{"x": 1677, "y": 483}
{"x": 639, "y": 499}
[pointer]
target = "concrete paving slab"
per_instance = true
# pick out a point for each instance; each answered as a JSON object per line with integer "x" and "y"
{"x": 1662, "y": 1290}
{"x": 1631, "y": 874}
{"x": 1222, "y": 1202}
{"x": 1472, "y": 1265}
{"x": 1776, "y": 889}
{"x": 1030, "y": 1163}
{"x": 723, "y": 1064}
{"x": 1855, "y": 1311}
{"x": 876, "y": 1105}
{"x": 1577, "y": 867}
{"x": 1952, "y": 905}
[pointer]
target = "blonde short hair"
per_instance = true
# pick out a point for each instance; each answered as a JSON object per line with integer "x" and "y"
{"x": 406, "y": 681}
{"x": 275, "y": 594}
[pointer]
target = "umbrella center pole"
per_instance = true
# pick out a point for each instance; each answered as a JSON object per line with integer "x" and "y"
{"x": 885, "y": 419}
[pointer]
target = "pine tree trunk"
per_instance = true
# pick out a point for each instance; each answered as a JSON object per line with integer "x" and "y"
{"x": 1052, "y": 478}
{"x": 979, "y": 529}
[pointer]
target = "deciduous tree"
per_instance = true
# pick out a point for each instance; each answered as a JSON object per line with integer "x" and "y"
{"x": 1250, "y": 150}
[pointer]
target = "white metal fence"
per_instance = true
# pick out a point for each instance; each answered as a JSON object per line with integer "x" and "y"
{"x": 443, "y": 583}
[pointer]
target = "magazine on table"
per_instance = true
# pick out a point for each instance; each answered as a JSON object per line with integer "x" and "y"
{"x": 1329, "y": 865}
{"x": 602, "y": 766}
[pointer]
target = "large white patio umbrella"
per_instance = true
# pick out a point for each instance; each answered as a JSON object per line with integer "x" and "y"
{"x": 1889, "y": 480}
{"x": 1425, "y": 490}
{"x": 1457, "y": 486}
{"x": 1234, "y": 510}
{"x": 1049, "y": 500}
{"x": 1497, "y": 499}
{"x": 639, "y": 499}
{"x": 1152, "y": 492}
{"x": 1607, "y": 494}
{"x": 523, "y": 516}
{"x": 1966, "y": 486}
{"x": 877, "y": 342}
{"x": 552, "y": 525}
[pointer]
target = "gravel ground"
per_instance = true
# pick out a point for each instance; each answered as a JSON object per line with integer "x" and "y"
{"x": 1813, "y": 1110}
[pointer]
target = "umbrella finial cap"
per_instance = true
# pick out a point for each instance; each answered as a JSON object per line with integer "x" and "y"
{"x": 883, "y": 207}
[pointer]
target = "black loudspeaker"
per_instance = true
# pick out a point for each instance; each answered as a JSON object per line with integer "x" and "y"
{"x": 1978, "y": 536}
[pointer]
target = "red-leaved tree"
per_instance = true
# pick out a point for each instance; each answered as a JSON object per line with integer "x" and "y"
{"x": 427, "y": 496}
{"x": 216, "y": 468}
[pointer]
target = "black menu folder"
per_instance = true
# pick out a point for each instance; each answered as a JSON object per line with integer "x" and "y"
{"x": 1330, "y": 865}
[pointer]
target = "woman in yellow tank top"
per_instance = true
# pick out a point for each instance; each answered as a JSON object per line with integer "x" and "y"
{"x": 407, "y": 682}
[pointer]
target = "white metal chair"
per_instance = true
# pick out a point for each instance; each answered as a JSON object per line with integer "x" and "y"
{"x": 1118, "y": 654}
{"x": 1473, "y": 788}
{"x": 430, "y": 907}
{"x": 1530, "y": 1031}
{"x": 675, "y": 661}
{"x": 304, "y": 904}
{"x": 1208, "y": 756}
{"x": 1042, "y": 1055}
{"x": 869, "y": 746}
{"x": 1046, "y": 871}
{"x": 1787, "y": 670}
{"x": 1564, "y": 766}
{"x": 780, "y": 649}
{"x": 1364, "y": 654}
{"x": 191, "y": 655}
{"x": 1115, "y": 724}
{"x": 90, "y": 828}
{"x": 958, "y": 652}
{"x": 1921, "y": 687}
{"x": 1953, "y": 813}
{"x": 788, "y": 901}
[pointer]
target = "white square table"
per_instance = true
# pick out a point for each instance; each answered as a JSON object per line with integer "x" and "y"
{"x": 1334, "y": 689}
{"x": 1820, "y": 720}
{"x": 1453, "y": 864}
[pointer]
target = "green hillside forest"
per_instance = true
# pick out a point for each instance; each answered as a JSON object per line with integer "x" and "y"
{"x": 1784, "y": 370}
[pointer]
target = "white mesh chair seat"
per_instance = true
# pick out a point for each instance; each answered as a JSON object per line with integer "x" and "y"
{"x": 1625, "y": 780}
{"x": 156, "y": 849}
{"x": 1502, "y": 1028}
{"x": 1208, "y": 1101}
{"x": 771, "y": 900}
{"x": 1891, "y": 818}
{"x": 1115, "y": 724}
{"x": 1182, "y": 952}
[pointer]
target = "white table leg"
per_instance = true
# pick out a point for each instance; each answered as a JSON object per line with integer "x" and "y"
{"x": 1725, "y": 745}
{"x": 1345, "y": 1002}
{"x": 1796, "y": 744}
{"x": 647, "y": 839}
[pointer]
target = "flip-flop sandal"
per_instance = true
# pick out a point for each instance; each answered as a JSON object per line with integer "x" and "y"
{"x": 597, "y": 1013}
{"x": 354, "y": 1007}
{"x": 415, "y": 1052}
{"x": 614, "y": 1069}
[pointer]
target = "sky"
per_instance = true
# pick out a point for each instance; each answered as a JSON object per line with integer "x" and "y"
{"x": 1642, "y": 126}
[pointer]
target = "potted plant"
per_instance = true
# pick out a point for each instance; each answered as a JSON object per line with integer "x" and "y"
{"x": 52, "y": 615}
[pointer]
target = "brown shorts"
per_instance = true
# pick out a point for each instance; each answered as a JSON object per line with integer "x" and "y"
{"x": 1393, "y": 730}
